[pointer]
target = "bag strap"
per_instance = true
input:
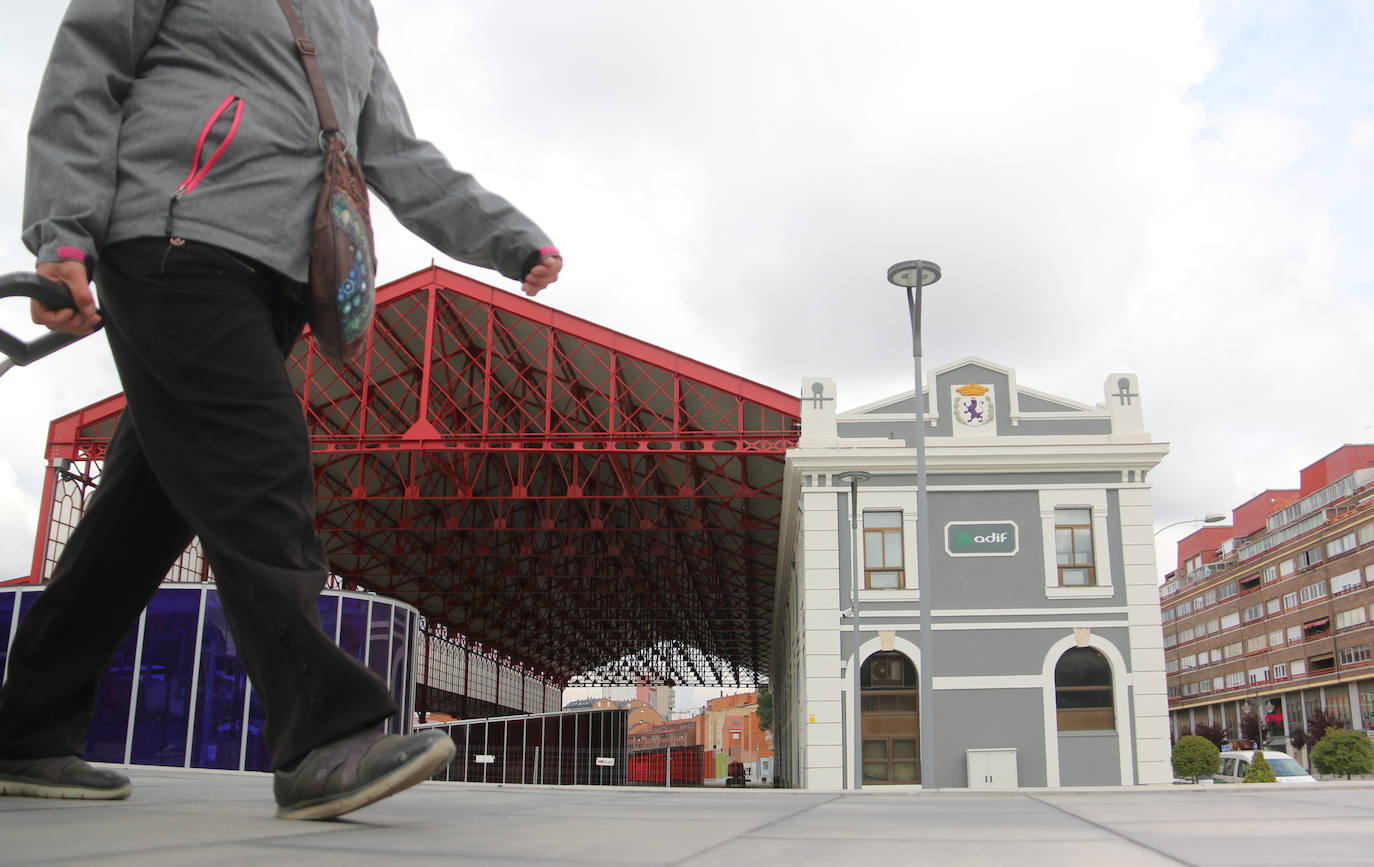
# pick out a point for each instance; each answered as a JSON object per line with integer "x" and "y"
{"x": 307, "y": 51}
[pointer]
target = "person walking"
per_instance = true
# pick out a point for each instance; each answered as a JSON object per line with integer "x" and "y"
{"x": 175, "y": 159}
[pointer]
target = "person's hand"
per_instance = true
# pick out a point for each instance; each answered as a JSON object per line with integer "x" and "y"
{"x": 542, "y": 275}
{"x": 82, "y": 320}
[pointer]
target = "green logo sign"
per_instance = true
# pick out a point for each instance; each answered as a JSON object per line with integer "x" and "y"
{"x": 980, "y": 539}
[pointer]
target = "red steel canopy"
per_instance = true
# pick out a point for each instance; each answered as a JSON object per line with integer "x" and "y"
{"x": 597, "y": 508}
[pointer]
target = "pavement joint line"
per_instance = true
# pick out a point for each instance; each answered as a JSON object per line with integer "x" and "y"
{"x": 1115, "y": 833}
{"x": 744, "y": 834}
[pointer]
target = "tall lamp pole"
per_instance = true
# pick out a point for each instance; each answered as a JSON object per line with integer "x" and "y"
{"x": 914, "y": 275}
{"x": 852, "y": 478}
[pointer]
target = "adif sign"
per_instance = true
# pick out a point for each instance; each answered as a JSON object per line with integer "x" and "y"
{"x": 981, "y": 539}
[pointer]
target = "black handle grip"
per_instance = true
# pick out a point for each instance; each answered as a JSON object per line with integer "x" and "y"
{"x": 51, "y": 295}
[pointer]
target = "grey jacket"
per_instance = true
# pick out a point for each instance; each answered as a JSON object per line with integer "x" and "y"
{"x": 127, "y": 114}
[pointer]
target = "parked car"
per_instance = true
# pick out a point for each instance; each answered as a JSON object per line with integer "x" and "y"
{"x": 734, "y": 777}
{"x": 1235, "y": 764}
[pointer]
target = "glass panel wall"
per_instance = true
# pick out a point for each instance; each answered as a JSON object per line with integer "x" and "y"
{"x": 178, "y": 676}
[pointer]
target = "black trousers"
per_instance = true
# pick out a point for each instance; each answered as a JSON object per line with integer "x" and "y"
{"x": 212, "y": 443}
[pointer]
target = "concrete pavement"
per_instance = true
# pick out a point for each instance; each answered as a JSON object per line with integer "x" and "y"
{"x": 208, "y": 818}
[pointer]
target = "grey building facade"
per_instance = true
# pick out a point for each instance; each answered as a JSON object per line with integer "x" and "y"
{"x": 1048, "y": 668}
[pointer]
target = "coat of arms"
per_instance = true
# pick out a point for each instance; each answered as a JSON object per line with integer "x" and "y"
{"x": 973, "y": 405}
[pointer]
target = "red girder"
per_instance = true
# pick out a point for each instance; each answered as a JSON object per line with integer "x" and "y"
{"x": 585, "y": 501}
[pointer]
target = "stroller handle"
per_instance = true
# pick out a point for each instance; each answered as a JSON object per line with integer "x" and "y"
{"x": 51, "y": 295}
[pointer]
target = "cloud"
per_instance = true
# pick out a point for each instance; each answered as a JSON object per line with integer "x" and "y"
{"x": 1175, "y": 189}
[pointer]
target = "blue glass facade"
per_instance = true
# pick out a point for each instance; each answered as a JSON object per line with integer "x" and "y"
{"x": 176, "y": 695}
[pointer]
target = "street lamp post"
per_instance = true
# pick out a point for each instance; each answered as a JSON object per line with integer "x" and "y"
{"x": 852, "y": 478}
{"x": 914, "y": 275}
{"x": 1209, "y": 518}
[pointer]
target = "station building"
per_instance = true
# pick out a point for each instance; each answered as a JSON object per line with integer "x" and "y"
{"x": 1048, "y": 666}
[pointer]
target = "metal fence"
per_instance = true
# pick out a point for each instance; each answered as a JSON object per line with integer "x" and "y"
{"x": 577, "y": 748}
{"x": 670, "y": 767}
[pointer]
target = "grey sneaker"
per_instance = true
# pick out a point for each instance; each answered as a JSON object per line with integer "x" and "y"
{"x": 61, "y": 777}
{"x": 353, "y": 772}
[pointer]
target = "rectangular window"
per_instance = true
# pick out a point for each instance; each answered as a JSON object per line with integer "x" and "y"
{"x": 1351, "y": 618}
{"x": 1209, "y": 598}
{"x": 1185, "y": 635}
{"x": 1073, "y": 544}
{"x": 1235, "y": 679}
{"x": 1218, "y": 683}
{"x": 1290, "y": 600}
{"x": 1321, "y": 664}
{"x": 883, "y": 551}
{"x": 1259, "y": 675}
{"x": 1309, "y": 558}
{"x": 1252, "y": 612}
{"x": 1227, "y": 590}
{"x": 1185, "y": 607}
{"x": 1294, "y": 634}
{"x": 1366, "y": 534}
{"x": 1337, "y": 547}
{"x": 1287, "y": 567}
{"x": 1345, "y": 581}
{"x": 1276, "y": 638}
{"x": 1232, "y": 650}
{"x": 1230, "y": 621}
{"x": 1171, "y": 666}
{"x": 1216, "y": 655}
{"x": 1256, "y": 644}
{"x": 1213, "y": 625}
{"x": 1313, "y": 591}
{"x": 1170, "y": 639}
{"x": 1354, "y": 655}
{"x": 1299, "y": 666}
{"x": 1273, "y": 606}
{"x": 1280, "y": 670}
{"x": 1167, "y": 614}
{"x": 1188, "y": 662}
{"x": 1319, "y": 628}
{"x": 1271, "y": 573}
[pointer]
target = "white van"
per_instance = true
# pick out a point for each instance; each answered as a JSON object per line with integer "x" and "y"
{"x": 1235, "y": 764}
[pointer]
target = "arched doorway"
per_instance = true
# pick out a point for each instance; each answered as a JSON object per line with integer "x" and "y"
{"x": 891, "y": 720}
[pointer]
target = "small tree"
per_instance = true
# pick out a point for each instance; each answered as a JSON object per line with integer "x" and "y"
{"x": 1259, "y": 770}
{"x": 1298, "y": 738}
{"x": 765, "y": 708}
{"x": 1342, "y": 751}
{"x": 1211, "y": 733}
{"x": 1250, "y": 727}
{"x": 1318, "y": 723}
{"x": 1195, "y": 757}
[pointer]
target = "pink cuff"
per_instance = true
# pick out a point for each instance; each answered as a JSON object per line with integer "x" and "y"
{"x": 74, "y": 254}
{"x": 545, "y": 252}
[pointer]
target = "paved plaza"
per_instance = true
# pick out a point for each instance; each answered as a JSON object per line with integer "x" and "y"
{"x": 207, "y": 817}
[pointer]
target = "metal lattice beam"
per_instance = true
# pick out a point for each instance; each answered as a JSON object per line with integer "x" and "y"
{"x": 598, "y": 508}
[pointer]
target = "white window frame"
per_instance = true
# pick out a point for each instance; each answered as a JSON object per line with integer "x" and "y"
{"x": 891, "y": 500}
{"x": 1077, "y": 498}
{"x": 1345, "y": 582}
{"x": 1337, "y": 547}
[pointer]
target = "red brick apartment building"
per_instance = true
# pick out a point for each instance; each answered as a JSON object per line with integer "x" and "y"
{"x": 1271, "y": 618}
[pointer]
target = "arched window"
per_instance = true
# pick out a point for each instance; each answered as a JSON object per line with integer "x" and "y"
{"x": 1083, "y": 691}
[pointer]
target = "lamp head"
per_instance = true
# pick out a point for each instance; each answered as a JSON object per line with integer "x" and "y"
{"x": 913, "y": 273}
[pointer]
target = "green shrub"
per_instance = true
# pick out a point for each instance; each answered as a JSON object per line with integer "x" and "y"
{"x": 1259, "y": 770}
{"x": 1195, "y": 757}
{"x": 1342, "y": 751}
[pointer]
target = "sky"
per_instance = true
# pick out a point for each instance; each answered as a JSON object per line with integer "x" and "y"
{"x": 1176, "y": 189}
